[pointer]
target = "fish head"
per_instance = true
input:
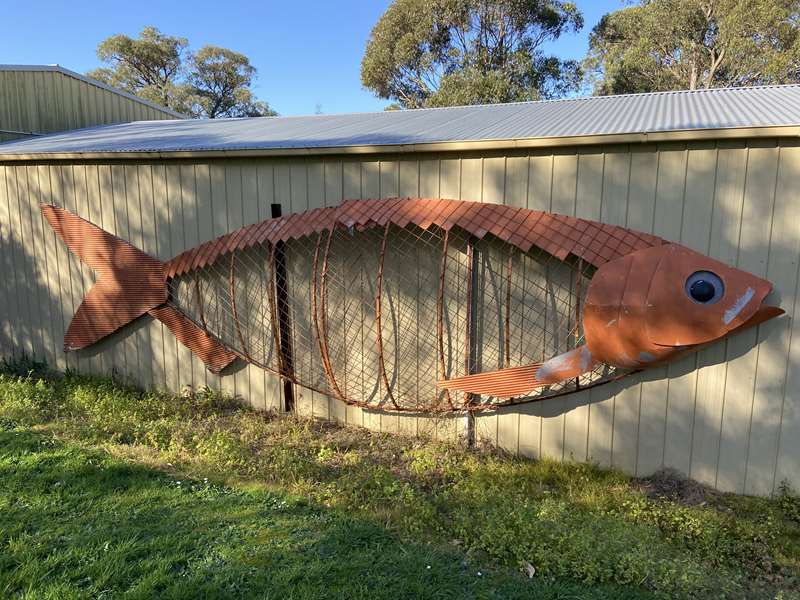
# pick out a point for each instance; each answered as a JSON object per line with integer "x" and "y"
{"x": 693, "y": 299}
{"x": 658, "y": 303}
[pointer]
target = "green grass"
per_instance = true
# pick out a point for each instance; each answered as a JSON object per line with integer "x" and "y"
{"x": 80, "y": 523}
{"x": 108, "y": 491}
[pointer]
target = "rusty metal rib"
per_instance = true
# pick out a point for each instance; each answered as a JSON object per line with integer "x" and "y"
{"x": 579, "y": 276}
{"x": 468, "y": 398}
{"x": 323, "y": 283}
{"x": 200, "y": 308}
{"x": 237, "y": 325}
{"x": 440, "y": 313}
{"x": 378, "y": 324}
{"x": 315, "y": 318}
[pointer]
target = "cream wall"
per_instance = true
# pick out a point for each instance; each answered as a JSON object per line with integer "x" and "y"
{"x": 727, "y": 416}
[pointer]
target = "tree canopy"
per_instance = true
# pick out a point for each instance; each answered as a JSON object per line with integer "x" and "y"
{"x": 456, "y": 52}
{"x": 210, "y": 83}
{"x": 660, "y": 45}
{"x": 220, "y": 81}
{"x": 149, "y": 66}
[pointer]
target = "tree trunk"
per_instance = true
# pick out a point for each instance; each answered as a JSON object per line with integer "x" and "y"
{"x": 693, "y": 76}
{"x": 715, "y": 62}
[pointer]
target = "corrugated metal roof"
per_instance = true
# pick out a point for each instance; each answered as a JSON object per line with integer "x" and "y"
{"x": 94, "y": 82}
{"x": 718, "y": 109}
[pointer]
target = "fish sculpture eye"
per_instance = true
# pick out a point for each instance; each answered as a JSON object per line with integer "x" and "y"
{"x": 705, "y": 287}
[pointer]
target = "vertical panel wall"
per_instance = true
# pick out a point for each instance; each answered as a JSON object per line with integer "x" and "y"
{"x": 46, "y": 101}
{"x": 727, "y": 416}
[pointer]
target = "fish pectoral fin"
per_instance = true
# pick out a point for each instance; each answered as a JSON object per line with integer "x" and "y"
{"x": 518, "y": 381}
{"x": 503, "y": 383}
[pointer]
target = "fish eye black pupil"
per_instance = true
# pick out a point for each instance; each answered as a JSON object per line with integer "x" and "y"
{"x": 702, "y": 290}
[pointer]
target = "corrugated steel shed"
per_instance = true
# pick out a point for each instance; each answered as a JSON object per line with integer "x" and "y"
{"x": 93, "y": 82}
{"x": 37, "y": 100}
{"x": 687, "y": 111}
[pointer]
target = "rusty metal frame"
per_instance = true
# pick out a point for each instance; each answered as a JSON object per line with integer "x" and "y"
{"x": 272, "y": 300}
{"x": 378, "y": 321}
{"x": 562, "y": 238}
{"x": 507, "y": 323}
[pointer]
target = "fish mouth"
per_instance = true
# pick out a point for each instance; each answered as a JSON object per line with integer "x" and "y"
{"x": 762, "y": 314}
{"x": 751, "y": 308}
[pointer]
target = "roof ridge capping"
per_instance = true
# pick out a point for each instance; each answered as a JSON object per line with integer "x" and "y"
{"x": 518, "y": 102}
{"x": 547, "y": 101}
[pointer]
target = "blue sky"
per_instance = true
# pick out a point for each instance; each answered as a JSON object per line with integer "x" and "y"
{"x": 306, "y": 53}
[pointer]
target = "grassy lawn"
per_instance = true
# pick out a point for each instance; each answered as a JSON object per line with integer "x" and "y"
{"x": 106, "y": 491}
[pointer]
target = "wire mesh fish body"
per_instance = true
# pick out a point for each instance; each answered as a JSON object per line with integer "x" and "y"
{"x": 377, "y": 316}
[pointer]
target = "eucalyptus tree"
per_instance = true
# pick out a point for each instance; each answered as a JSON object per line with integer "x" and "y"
{"x": 454, "y": 52}
{"x": 658, "y": 45}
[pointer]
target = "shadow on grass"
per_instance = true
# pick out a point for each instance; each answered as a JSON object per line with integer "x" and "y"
{"x": 79, "y": 523}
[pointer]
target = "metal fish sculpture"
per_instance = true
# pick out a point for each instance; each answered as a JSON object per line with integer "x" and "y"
{"x": 421, "y": 305}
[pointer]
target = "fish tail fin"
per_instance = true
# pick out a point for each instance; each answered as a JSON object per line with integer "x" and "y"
{"x": 518, "y": 381}
{"x": 129, "y": 283}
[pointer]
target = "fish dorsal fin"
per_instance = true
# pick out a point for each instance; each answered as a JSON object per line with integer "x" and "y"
{"x": 558, "y": 235}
